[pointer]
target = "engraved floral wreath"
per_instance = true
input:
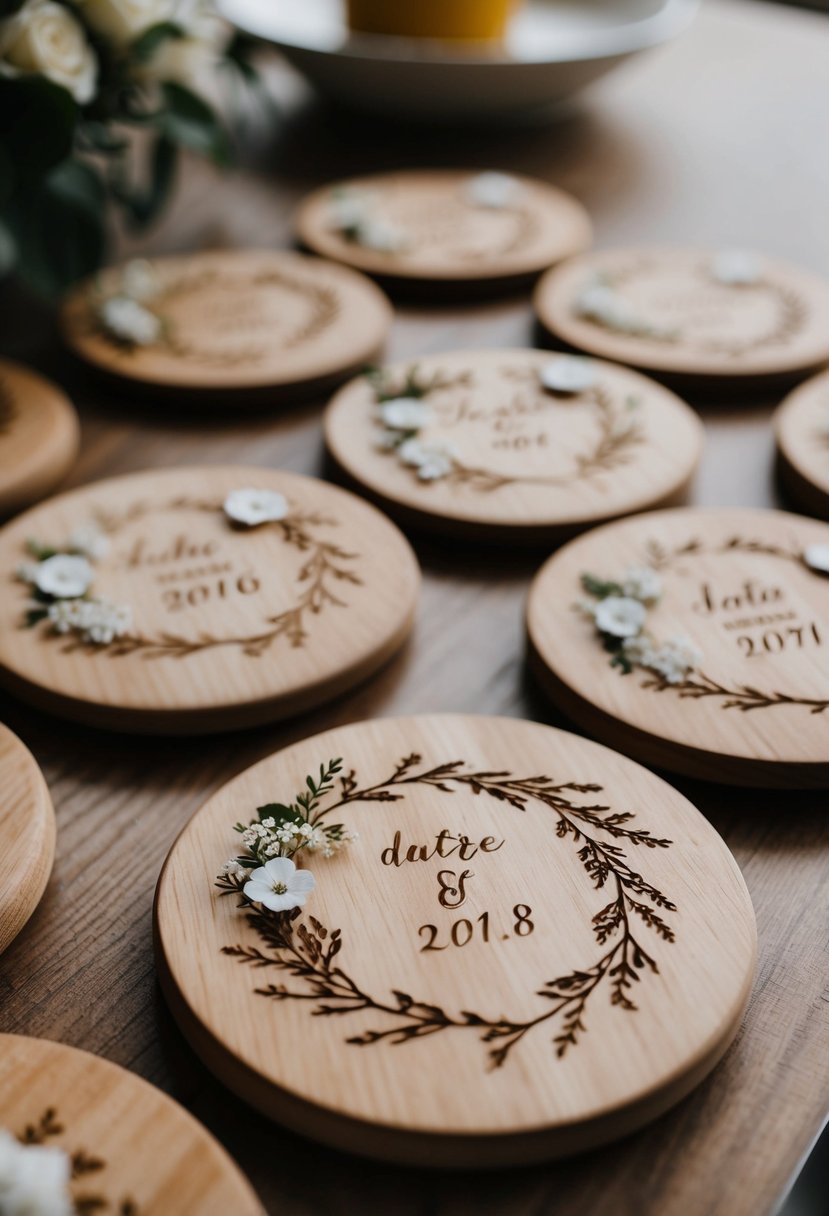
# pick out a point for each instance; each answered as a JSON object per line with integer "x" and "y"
{"x": 275, "y": 893}
{"x": 619, "y": 611}
{"x": 97, "y": 626}
{"x": 402, "y": 415}
{"x": 63, "y": 1177}
{"x": 131, "y": 316}
{"x": 600, "y": 303}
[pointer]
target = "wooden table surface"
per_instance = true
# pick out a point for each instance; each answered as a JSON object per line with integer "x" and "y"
{"x": 718, "y": 139}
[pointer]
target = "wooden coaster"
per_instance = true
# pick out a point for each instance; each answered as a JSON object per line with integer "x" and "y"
{"x": 27, "y": 836}
{"x": 126, "y": 1147}
{"x": 801, "y": 426}
{"x": 39, "y": 436}
{"x": 240, "y": 320}
{"x": 512, "y": 444}
{"x": 445, "y": 228}
{"x": 730, "y": 672}
{"x": 196, "y": 622}
{"x": 687, "y": 312}
{"x": 495, "y": 972}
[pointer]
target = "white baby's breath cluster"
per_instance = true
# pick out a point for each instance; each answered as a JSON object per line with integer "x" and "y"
{"x": 124, "y": 310}
{"x": 599, "y": 301}
{"x": 353, "y": 213}
{"x": 619, "y": 611}
{"x": 266, "y": 873}
{"x": 60, "y": 581}
{"x": 34, "y": 1179}
{"x": 399, "y": 423}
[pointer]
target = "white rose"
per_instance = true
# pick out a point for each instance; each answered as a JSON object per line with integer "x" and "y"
{"x": 405, "y": 414}
{"x": 253, "y": 507}
{"x": 129, "y": 321}
{"x": 121, "y": 21}
{"x": 65, "y": 576}
{"x": 44, "y": 38}
{"x": 620, "y": 616}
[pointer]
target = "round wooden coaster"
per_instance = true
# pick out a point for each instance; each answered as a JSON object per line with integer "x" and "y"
{"x": 27, "y": 836}
{"x": 496, "y": 971}
{"x": 512, "y": 444}
{"x": 722, "y": 672}
{"x": 216, "y": 598}
{"x": 688, "y": 312}
{"x": 115, "y": 1143}
{"x": 801, "y": 426}
{"x": 231, "y": 320}
{"x": 444, "y": 228}
{"x": 39, "y": 436}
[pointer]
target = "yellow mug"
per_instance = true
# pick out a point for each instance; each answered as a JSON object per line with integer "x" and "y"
{"x": 463, "y": 20}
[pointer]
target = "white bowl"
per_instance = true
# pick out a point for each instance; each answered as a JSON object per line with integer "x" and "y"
{"x": 553, "y": 48}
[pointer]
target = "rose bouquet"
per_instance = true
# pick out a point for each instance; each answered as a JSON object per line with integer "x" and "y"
{"x": 78, "y": 79}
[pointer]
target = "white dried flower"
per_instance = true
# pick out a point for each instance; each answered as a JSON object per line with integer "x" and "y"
{"x": 381, "y": 235}
{"x": 816, "y": 558}
{"x": 254, "y": 507}
{"x": 97, "y": 621}
{"x": 90, "y": 541}
{"x": 27, "y": 572}
{"x": 233, "y": 869}
{"x": 736, "y": 268}
{"x": 45, "y": 38}
{"x": 620, "y": 615}
{"x": 493, "y": 190}
{"x": 34, "y": 1179}
{"x": 348, "y": 210}
{"x": 639, "y": 649}
{"x": 129, "y": 321}
{"x": 432, "y": 461}
{"x": 279, "y": 885}
{"x": 66, "y": 576}
{"x": 601, "y": 303}
{"x": 674, "y": 659}
{"x": 405, "y": 414}
{"x": 568, "y": 375}
{"x": 140, "y": 281}
{"x": 643, "y": 583}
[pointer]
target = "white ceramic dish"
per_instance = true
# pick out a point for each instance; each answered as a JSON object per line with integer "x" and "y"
{"x": 553, "y": 48}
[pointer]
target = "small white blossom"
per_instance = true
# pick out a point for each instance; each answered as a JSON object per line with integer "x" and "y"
{"x": 432, "y": 461}
{"x": 620, "y": 616}
{"x": 66, "y": 576}
{"x": 34, "y": 1179}
{"x": 279, "y": 885}
{"x": 129, "y": 321}
{"x": 601, "y": 303}
{"x": 639, "y": 650}
{"x": 405, "y": 414}
{"x": 385, "y": 439}
{"x": 254, "y": 507}
{"x": 642, "y": 583}
{"x": 493, "y": 190}
{"x": 568, "y": 375}
{"x": 816, "y": 558}
{"x": 90, "y": 541}
{"x": 233, "y": 870}
{"x": 381, "y": 235}
{"x": 674, "y": 660}
{"x": 736, "y": 268}
{"x": 349, "y": 209}
{"x": 97, "y": 621}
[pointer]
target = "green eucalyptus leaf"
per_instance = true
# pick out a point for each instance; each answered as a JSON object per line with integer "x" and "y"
{"x": 187, "y": 120}
{"x": 59, "y": 228}
{"x": 146, "y": 44}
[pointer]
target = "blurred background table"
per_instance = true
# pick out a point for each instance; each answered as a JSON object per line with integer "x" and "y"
{"x": 718, "y": 139}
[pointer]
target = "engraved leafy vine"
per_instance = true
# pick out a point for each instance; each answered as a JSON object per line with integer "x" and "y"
{"x": 307, "y": 951}
{"x": 83, "y": 1165}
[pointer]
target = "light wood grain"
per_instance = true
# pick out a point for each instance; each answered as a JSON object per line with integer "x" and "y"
{"x": 27, "y": 836}
{"x": 736, "y": 586}
{"x": 653, "y": 155}
{"x": 801, "y": 426}
{"x": 529, "y": 464}
{"x": 448, "y": 239}
{"x": 134, "y": 1150}
{"x": 466, "y": 891}
{"x": 231, "y": 626}
{"x": 39, "y": 436}
{"x": 775, "y": 327}
{"x": 260, "y": 322}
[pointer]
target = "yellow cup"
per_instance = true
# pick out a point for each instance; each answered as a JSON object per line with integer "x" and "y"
{"x": 461, "y": 20}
